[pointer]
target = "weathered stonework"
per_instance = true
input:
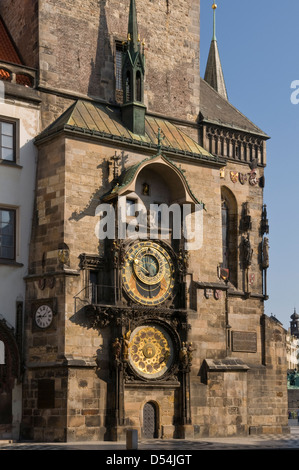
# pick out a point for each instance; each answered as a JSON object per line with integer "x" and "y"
{"x": 233, "y": 382}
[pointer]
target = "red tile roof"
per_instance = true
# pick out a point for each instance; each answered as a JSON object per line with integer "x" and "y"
{"x": 8, "y": 53}
{"x": 7, "y": 48}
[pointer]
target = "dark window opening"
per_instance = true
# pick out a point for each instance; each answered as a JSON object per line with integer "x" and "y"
{"x": 225, "y": 237}
{"x": 7, "y": 234}
{"x": 119, "y": 50}
{"x": 46, "y": 393}
{"x": 128, "y": 87}
{"x": 138, "y": 86}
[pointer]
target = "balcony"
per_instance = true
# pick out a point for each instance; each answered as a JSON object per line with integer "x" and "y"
{"x": 97, "y": 295}
{"x": 17, "y": 74}
{"x": 18, "y": 82}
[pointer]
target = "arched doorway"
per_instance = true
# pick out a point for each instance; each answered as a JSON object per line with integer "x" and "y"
{"x": 150, "y": 420}
{"x": 9, "y": 382}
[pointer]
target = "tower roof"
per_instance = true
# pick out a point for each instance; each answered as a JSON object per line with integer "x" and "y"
{"x": 8, "y": 51}
{"x": 10, "y": 54}
{"x": 214, "y": 73}
{"x": 295, "y": 315}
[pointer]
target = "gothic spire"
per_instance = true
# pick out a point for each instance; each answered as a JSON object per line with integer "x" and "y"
{"x": 214, "y": 73}
{"x": 133, "y": 27}
{"x": 133, "y": 68}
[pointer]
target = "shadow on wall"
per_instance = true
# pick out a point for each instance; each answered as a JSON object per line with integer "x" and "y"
{"x": 102, "y": 69}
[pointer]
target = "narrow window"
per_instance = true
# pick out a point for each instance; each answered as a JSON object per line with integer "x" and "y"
{"x": 46, "y": 393}
{"x": 120, "y": 47}
{"x": 130, "y": 207}
{"x": 7, "y": 234}
{"x": 118, "y": 72}
{"x": 225, "y": 237}
{"x": 93, "y": 276}
{"x": 7, "y": 141}
{"x": 128, "y": 87}
{"x": 138, "y": 86}
{"x": 2, "y": 353}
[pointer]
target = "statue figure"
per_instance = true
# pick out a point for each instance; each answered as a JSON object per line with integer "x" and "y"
{"x": 247, "y": 252}
{"x": 265, "y": 262}
{"x": 116, "y": 348}
{"x": 126, "y": 344}
{"x": 190, "y": 350}
{"x": 184, "y": 355}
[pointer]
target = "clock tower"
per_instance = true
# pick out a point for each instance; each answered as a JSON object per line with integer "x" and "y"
{"x": 148, "y": 260}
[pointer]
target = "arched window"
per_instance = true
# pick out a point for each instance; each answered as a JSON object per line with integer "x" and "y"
{"x": 225, "y": 235}
{"x": 138, "y": 86}
{"x": 128, "y": 87}
{"x": 229, "y": 218}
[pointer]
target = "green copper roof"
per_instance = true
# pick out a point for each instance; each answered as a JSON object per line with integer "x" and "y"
{"x": 93, "y": 119}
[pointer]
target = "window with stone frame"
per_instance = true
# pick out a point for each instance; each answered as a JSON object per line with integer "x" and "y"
{"x": 7, "y": 234}
{"x": 225, "y": 235}
{"x": 118, "y": 71}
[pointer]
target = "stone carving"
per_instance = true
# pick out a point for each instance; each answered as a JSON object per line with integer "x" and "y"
{"x": 116, "y": 346}
{"x": 246, "y": 218}
{"x": 247, "y": 252}
{"x": 265, "y": 262}
{"x": 186, "y": 355}
{"x": 126, "y": 345}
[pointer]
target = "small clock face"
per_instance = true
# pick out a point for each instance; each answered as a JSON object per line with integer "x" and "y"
{"x": 151, "y": 351}
{"x": 43, "y": 316}
{"x": 148, "y": 273}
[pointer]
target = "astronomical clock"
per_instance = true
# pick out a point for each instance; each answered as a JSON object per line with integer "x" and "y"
{"x": 151, "y": 351}
{"x": 154, "y": 325}
{"x": 148, "y": 273}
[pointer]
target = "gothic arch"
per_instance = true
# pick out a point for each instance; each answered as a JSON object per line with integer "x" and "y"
{"x": 10, "y": 370}
{"x": 150, "y": 419}
{"x": 229, "y": 216}
{"x": 166, "y": 170}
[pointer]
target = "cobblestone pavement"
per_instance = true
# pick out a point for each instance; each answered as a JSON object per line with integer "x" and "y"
{"x": 270, "y": 441}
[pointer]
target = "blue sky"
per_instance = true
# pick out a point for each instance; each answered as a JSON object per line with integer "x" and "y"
{"x": 259, "y": 49}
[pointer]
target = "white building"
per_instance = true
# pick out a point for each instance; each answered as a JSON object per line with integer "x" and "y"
{"x": 292, "y": 343}
{"x": 19, "y": 124}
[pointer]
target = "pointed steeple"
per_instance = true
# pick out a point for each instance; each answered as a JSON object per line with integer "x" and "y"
{"x": 133, "y": 108}
{"x": 133, "y": 27}
{"x": 214, "y": 73}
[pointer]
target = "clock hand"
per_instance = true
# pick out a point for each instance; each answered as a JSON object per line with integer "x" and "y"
{"x": 136, "y": 261}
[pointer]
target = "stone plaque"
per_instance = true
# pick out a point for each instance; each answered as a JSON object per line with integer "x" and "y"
{"x": 244, "y": 341}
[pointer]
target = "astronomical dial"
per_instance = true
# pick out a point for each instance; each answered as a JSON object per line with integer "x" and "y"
{"x": 148, "y": 273}
{"x": 150, "y": 351}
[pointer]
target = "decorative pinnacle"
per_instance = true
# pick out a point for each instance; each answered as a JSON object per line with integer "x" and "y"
{"x": 214, "y": 6}
{"x": 160, "y": 138}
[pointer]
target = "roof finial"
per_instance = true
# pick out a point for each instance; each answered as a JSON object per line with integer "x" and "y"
{"x": 214, "y": 73}
{"x": 133, "y": 27}
{"x": 214, "y": 6}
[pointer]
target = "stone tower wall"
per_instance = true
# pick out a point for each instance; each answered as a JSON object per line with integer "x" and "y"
{"x": 76, "y": 44}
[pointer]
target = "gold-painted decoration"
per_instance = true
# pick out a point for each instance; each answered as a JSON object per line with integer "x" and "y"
{"x": 151, "y": 351}
{"x": 234, "y": 175}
